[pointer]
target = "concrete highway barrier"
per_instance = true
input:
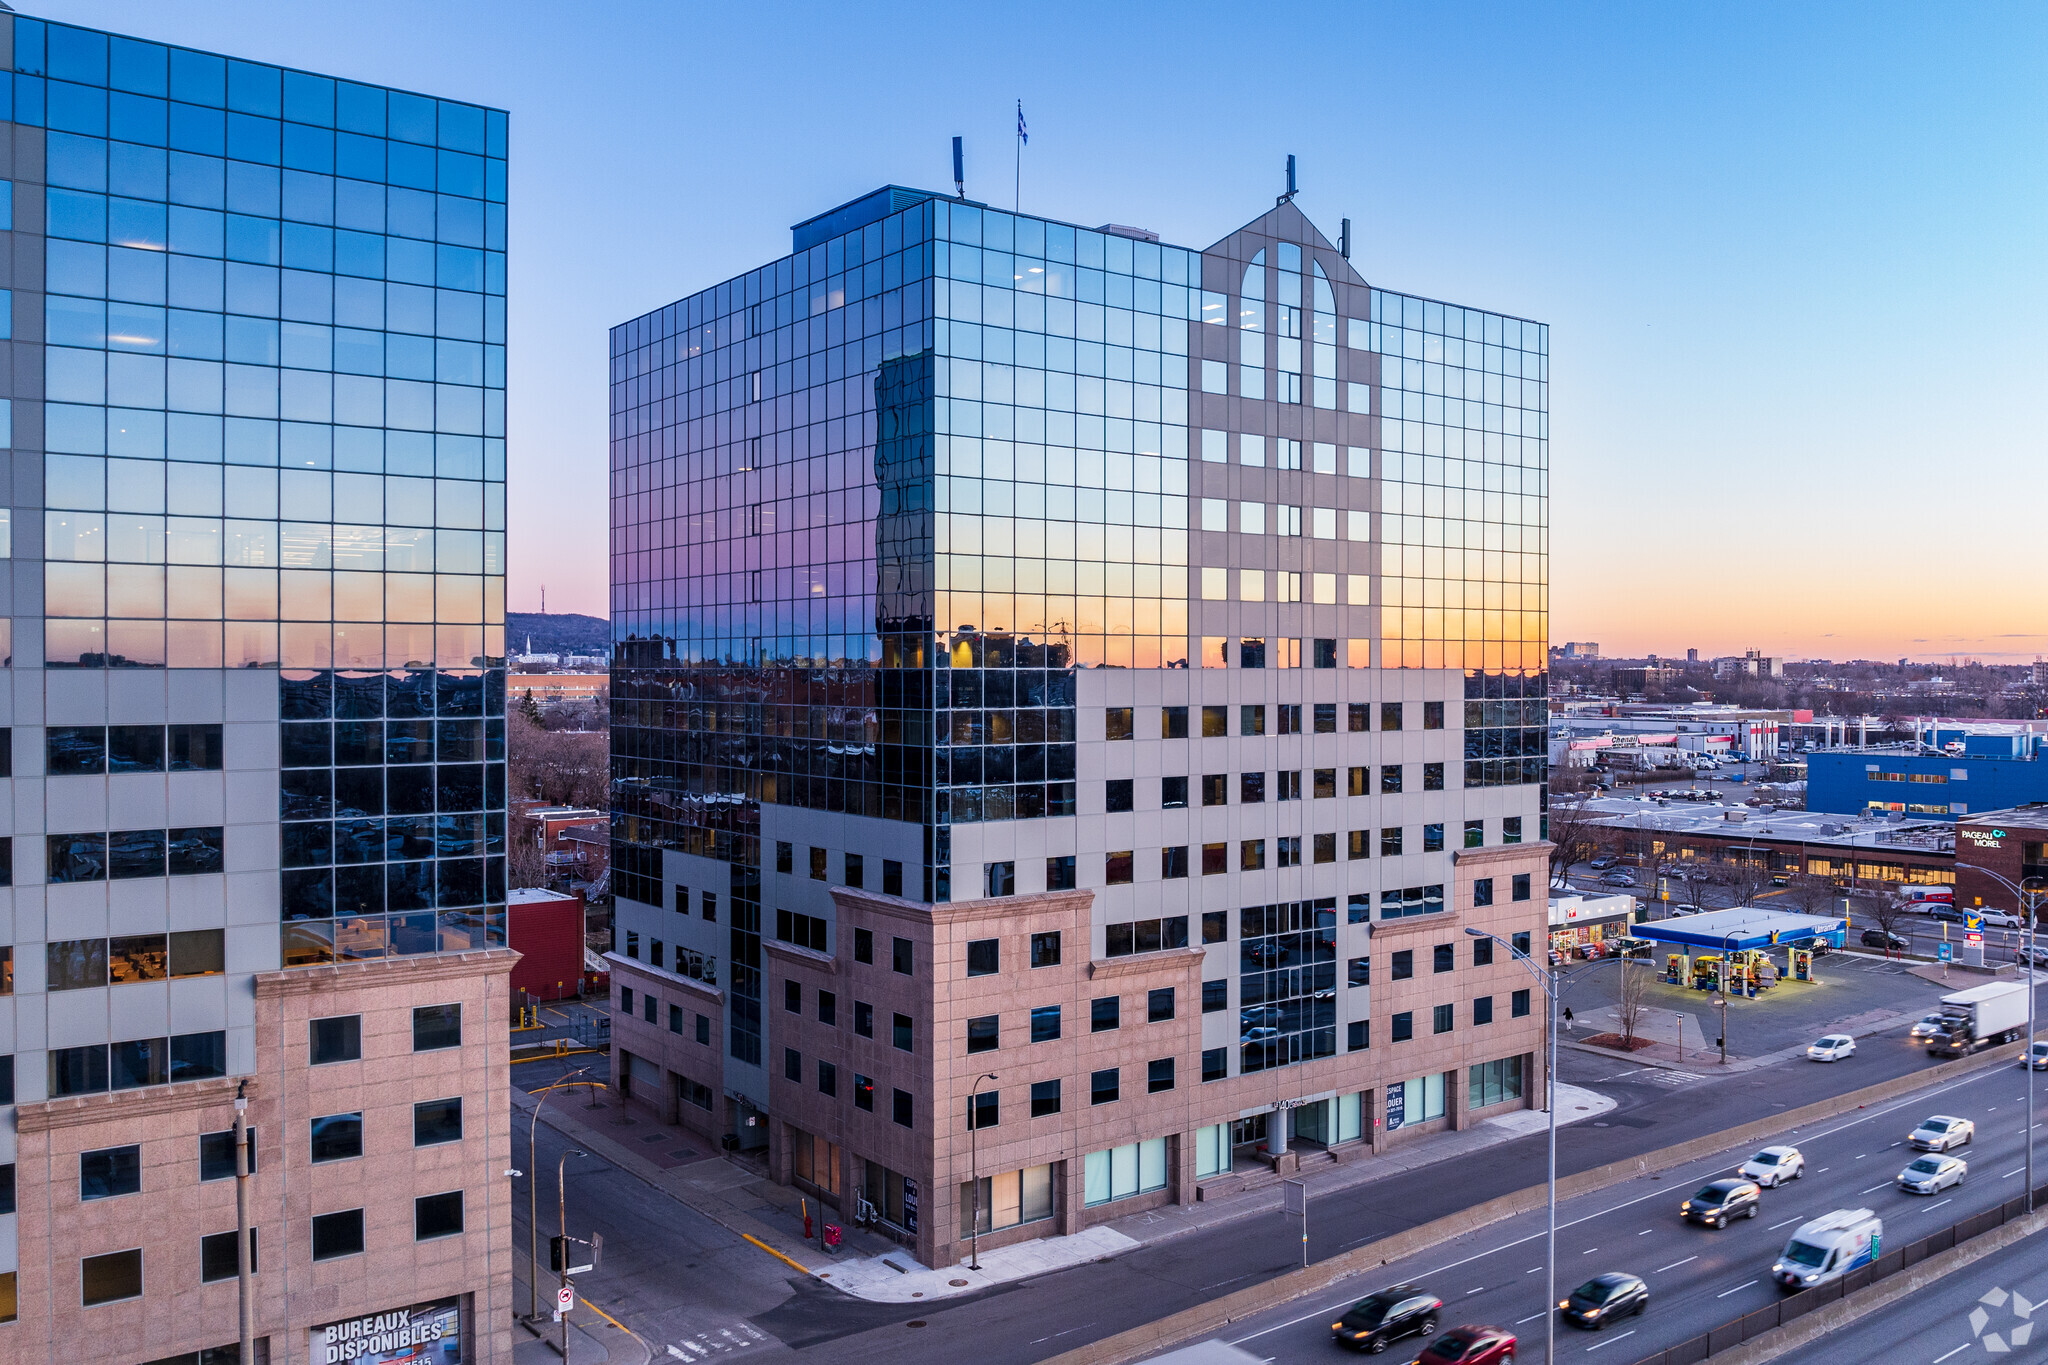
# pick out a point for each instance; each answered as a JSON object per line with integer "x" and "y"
{"x": 1136, "y": 1342}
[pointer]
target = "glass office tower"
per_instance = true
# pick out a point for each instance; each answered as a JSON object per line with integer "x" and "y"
{"x": 962, "y": 555}
{"x": 255, "y": 416}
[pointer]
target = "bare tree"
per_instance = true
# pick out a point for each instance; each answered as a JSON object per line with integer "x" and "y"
{"x": 1574, "y": 837}
{"x": 1885, "y": 912}
{"x": 1632, "y": 1004}
{"x": 1745, "y": 880}
{"x": 526, "y": 862}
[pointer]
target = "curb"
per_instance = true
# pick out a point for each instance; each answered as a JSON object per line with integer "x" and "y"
{"x": 1136, "y": 1342}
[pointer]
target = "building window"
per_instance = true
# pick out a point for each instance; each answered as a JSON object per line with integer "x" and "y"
{"x": 1404, "y": 964}
{"x": 437, "y": 1121}
{"x": 1390, "y": 715}
{"x": 802, "y": 931}
{"x": 1105, "y": 1013}
{"x": 1123, "y": 1172}
{"x": 1116, "y": 868}
{"x": 785, "y": 856}
{"x": 1102, "y": 1086}
{"x": 1475, "y": 833}
{"x": 1482, "y": 952}
{"x": 337, "y": 1137}
{"x": 900, "y": 1033}
{"x": 704, "y": 1029}
{"x": 1045, "y": 1023}
{"x": 1482, "y": 1010}
{"x": 863, "y": 1019}
{"x": 1144, "y": 936}
{"x": 1482, "y": 893}
{"x": 1215, "y": 859}
{"x": 1404, "y": 1026}
{"x": 1059, "y": 873}
{"x": 1356, "y": 714}
{"x": 818, "y": 864}
{"x": 892, "y": 877}
{"x": 1521, "y": 885}
{"x": 1251, "y": 720}
{"x": 1494, "y": 1082}
{"x": 1432, "y": 838}
{"x": 1432, "y": 715}
{"x": 1045, "y": 949}
{"x": 1356, "y": 1036}
{"x": 1518, "y": 1004}
{"x": 1173, "y": 793}
{"x": 1520, "y": 942}
{"x": 217, "y": 1154}
{"x": 435, "y": 1027}
{"x": 1173, "y": 863}
{"x": 1158, "y": 1075}
{"x": 1251, "y": 855}
{"x": 1117, "y": 794}
{"x": 1215, "y": 789}
{"x": 855, "y": 866}
{"x": 675, "y": 1019}
{"x": 863, "y": 1092}
{"x": 436, "y": 1215}
{"x": 109, "y": 1172}
{"x": 217, "y": 1259}
{"x": 1390, "y": 842}
{"x": 1159, "y": 1005}
{"x": 981, "y": 1109}
{"x": 1444, "y": 1019}
{"x": 1358, "y": 844}
{"x": 1215, "y": 1063}
{"x": 901, "y": 956}
{"x": 1358, "y": 971}
{"x": 338, "y": 1234}
{"x": 1215, "y": 722}
{"x": 864, "y": 945}
{"x": 1116, "y": 722}
{"x": 1215, "y": 996}
{"x": 900, "y": 1109}
{"x": 1511, "y": 829}
{"x": 1287, "y": 851}
{"x": 1251, "y": 788}
{"x": 1045, "y": 1098}
{"x": 626, "y": 1001}
{"x": 828, "y": 1079}
{"x": 338, "y": 1038}
{"x": 983, "y": 956}
{"x": 1444, "y": 957}
{"x": 111, "y": 1278}
{"x": 1173, "y": 722}
{"x": 982, "y": 1033}
{"x": 792, "y": 997}
{"x": 1432, "y": 777}
{"x": 1390, "y": 779}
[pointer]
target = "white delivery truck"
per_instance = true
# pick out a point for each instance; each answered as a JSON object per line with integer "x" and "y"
{"x": 1829, "y": 1247}
{"x": 1979, "y": 1017}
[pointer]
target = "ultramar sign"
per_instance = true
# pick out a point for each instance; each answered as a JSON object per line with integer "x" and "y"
{"x": 379, "y": 1335}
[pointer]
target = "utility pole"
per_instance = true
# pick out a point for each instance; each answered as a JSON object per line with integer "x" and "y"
{"x": 562, "y": 1216}
{"x": 244, "y": 1271}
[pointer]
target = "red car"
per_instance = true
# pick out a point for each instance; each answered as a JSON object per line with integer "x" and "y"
{"x": 1470, "y": 1346}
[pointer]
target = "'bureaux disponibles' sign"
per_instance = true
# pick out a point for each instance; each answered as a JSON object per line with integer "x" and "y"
{"x": 425, "y": 1334}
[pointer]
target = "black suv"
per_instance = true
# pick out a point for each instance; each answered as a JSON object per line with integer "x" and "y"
{"x": 1373, "y": 1322}
{"x": 1720, "y": 1202}
{"x": 1879, "y": 938}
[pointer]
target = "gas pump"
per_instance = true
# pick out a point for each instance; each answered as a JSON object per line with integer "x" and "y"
{"x": 1676, "y": 969}
{"x": 1802, "y": 964}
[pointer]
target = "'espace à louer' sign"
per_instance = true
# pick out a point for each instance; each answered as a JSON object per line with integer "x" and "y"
{"x": 425, "y": 1334}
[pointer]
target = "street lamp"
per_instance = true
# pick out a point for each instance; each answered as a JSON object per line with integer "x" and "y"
{"x": 973, "y": 1173}
{"x": 532, "y": 1216}
{"x": 1543, "y": 979}
{"x": 562, "y": 1216}
{"x": 2027, "y": 903}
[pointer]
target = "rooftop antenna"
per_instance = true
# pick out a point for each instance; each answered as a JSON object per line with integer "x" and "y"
{"x": 959, "y": 172}
{"x": 1285, "y": 198}
{"x": 1344, "y": 240}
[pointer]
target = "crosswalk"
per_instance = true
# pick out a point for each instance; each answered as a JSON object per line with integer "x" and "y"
{"x": 723, "y": 1341}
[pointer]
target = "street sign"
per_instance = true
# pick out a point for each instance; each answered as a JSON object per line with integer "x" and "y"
{"x": 565, "y": 1298}
{"x": 1947, "y": 952}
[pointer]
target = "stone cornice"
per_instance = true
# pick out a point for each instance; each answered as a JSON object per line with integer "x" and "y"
{"x": 388, "y": 971}
{"x": 690, "y": 983}
{"x": 1075, "y": 904}
{"x": 75, "y": 1111}
{"x": 809, "y": 957}
{"x": 1504, "y": 853}
{"x": 1136, "y": 964}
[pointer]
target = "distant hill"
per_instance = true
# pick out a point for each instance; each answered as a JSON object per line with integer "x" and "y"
{"x": 556, "y": 633}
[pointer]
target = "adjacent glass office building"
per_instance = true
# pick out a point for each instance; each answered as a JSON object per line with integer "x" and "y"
{"x": 915, "y": 526}
{"x": 256, "y": 422}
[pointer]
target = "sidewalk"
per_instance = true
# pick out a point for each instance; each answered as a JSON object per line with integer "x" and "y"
{"x": 744, "y": 1201}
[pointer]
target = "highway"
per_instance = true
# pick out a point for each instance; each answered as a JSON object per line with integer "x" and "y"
{"x": 1698, "y": 1277}
{"x": 1933, "y": 1325}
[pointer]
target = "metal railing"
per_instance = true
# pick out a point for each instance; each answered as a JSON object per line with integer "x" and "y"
{"x": 1728, "y": 1335}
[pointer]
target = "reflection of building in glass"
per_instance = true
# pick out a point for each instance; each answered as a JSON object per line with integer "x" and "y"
{"x": 255, "y": 410}
{"x": 1024, "y": 633}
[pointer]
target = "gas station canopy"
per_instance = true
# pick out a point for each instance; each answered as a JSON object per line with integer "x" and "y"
{"x": 1744, "y": 927}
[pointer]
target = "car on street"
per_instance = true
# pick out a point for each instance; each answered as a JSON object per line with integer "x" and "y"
{"x": 1720, "y": 1202}
{"x": 1941, "y": 1133}
{"x": 2000, "y": 919}
{"x": 1928, "y": 1026}
{"x": 1832, "y": 1048}
{"x": 1773, "y": 1166}
{"x": 1618, "y": 877}
{"x": 2037, "y": 1057}
{"x": 1940, "y": 911}
{"x": 1781, "y": 879}
{"x": 1602, "y": 863}
{"x": 1378, "y": 1320}
{"x": 1932, "y": 1174}
{"x": 1470, "y": 1346}
{"x": 1688, "y": 908}
{"x": 1884, "y": 938}
{"x": 1603, "y": 1299}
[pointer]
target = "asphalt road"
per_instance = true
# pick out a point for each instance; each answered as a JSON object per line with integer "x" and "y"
{"x": 1935, "y": 1326}
{"x": 1698, "y": 1277}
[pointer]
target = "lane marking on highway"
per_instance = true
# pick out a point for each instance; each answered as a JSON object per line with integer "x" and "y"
{"x": 1875, "y": 1187}
{"x": 1533, "y": 1316}
{"x": 1589, "y": 1251}
{"x": 1823, "y": 1170}
{"x": 1646, "y": 1232}
{"x": 1737, "y": 1289}
{"x": 1611, "y": 1340}
{"x": 2013, "y": 1172}
{"x": 1673, "y": 1266}
{"x": 1532, "y": 1270}
{"x": 1938, "y": 1203}
{"x": 1786, "y": 1224}
{"x": 1946, "y": 1354}
{"x": 1861, "y": 1155}
{"x": 1480, "y": 1290}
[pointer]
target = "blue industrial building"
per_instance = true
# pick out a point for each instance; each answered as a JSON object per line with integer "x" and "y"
{"x": 1952, "y": 772}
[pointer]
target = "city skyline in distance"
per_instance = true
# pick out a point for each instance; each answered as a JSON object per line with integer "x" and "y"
{"x": 1785, "y": 258}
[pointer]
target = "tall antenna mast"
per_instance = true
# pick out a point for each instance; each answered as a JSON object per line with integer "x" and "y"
{"x": 959, "y": 172}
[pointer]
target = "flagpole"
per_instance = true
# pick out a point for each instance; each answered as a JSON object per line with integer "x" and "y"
{"x": 1017, "y": 191}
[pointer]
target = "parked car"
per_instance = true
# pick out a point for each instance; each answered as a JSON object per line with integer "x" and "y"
{"x": 1602, "y": 863}
{"x": 1688, "y": 908}
{"x": 1932, "y": 1174}
{"x": 1884, "y": 938}
{"x": 1379, "y": 1319}
{"x": 1618, "y": 877}
{"x": 2000, "y": 919}
{"x": 1773, "y": 1166}
{"x": 1781, "y": 879}
{"x": 1604, "y": 1298}
{"x": 1942, "y": 911}
{"x": 1832, "y": 1048}
{"x": 1470, "y": 1346}
{"x": 1940, "y": 1133}
{"x": 1720, "y": 1202}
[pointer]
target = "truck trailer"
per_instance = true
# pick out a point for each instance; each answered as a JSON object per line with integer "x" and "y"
{"x": 1980, "y": 1017}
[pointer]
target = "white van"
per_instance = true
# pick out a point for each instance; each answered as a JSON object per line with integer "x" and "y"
{"x": 1829, "y": 1247}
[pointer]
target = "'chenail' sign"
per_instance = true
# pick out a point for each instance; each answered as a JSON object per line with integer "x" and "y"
{"x": 404, "y": 1336}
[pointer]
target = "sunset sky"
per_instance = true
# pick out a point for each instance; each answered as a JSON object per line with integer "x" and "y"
{"x": 1792, "y": 262}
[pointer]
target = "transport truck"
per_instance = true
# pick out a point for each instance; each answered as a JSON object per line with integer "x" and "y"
{"x": 1980, "y": 1017}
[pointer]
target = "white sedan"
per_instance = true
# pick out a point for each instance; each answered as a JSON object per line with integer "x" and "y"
{"x": 1932, "y": 1174}
{"x": 1940, "y": 1133}
{"x": 1773, "y": 1166}
{"x": 1832, "y": 1048}
{"x": 2037, "y": 1057}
